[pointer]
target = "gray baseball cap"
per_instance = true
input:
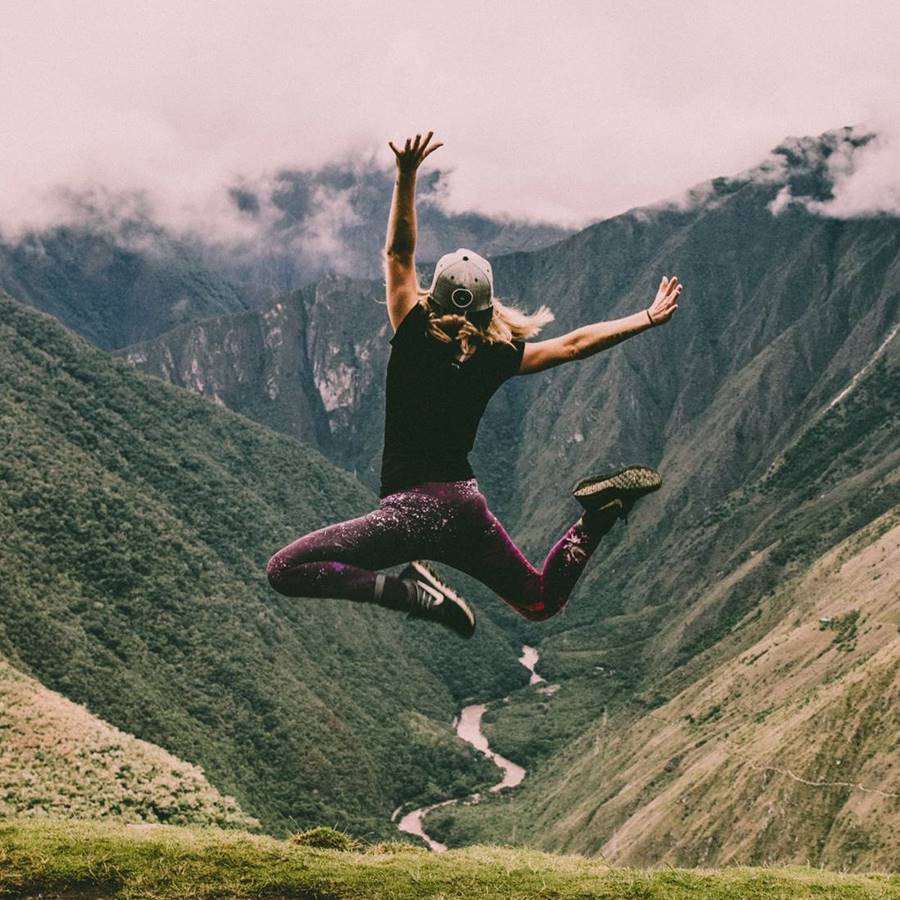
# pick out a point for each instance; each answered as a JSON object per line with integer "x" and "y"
{"x": 463, "y": 282}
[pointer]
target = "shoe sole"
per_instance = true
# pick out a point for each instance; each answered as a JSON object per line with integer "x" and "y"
{"x": 630, "y": 482}
{"x": 418, "y": 571}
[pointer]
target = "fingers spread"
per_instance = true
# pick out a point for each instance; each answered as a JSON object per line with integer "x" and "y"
{"x": 415, "y": 149}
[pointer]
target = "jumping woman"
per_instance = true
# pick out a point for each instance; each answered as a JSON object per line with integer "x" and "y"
{"x": 453, "y": 346}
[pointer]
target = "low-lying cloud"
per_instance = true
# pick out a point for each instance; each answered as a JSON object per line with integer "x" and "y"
{"x": 859, "y": 173}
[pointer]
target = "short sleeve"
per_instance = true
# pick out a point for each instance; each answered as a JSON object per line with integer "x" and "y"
{"x": 412, "y": 326}
{"x": 516, "y": 357}
{"x": 509, "y": 359}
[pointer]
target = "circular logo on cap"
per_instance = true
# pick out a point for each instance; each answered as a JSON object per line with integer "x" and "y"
{"x": 462, "y": 297}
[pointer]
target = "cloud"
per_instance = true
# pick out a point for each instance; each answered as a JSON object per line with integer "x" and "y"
{"x": 773, "y": 169}
{"x": 849, "y": 174}
{"x": 843, "y": 173}
{"x": 568, "y": 113}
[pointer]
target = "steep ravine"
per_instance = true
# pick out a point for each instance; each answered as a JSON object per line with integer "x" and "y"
{"x": 468, "y": 727}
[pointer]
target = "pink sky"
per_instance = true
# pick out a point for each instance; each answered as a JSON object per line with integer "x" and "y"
{"x": 568, "y": 111}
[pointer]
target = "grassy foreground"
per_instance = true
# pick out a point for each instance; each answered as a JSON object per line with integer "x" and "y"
{"x": 77, "y": 859}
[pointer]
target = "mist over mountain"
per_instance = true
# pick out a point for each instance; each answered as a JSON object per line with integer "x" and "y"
{"x": 334, "y": 219}
{"x": 115, "y": 282}
{"x": 110, "y": 271}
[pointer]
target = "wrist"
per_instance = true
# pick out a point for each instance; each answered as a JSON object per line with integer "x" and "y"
{"x": 652, "y": 323}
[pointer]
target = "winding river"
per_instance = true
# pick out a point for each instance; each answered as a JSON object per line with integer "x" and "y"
{"x": 468, "y": 727}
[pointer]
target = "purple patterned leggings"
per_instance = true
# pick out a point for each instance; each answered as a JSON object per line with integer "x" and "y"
{"x": 445, "y": 521}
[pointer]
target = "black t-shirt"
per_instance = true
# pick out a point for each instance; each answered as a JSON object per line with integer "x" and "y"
{"x": 433, "y": 404}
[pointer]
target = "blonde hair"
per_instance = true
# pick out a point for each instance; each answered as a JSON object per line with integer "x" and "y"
{"x": 507, "y": 323}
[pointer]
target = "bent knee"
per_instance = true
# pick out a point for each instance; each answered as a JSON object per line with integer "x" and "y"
{"x": 287, "y": 559}
{"x": 274, "y": 571}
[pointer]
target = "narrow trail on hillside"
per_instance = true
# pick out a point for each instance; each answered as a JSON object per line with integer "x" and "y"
{"x": 468, "y": 727}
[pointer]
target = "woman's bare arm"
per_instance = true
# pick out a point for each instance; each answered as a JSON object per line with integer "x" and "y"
{"x": 401, "y": 231}
{"x": 590, "y": 339}
{"x": 400, "y": 246}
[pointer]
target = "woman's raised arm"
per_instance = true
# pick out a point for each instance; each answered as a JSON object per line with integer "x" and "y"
{"x": 400, "y": 246}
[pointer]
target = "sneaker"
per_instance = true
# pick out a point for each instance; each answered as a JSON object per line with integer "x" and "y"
{"x": 616, "y": 491}
{"x": 432, "y": 599}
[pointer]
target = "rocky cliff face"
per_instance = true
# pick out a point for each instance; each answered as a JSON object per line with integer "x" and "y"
{"x": 310, "y": 364}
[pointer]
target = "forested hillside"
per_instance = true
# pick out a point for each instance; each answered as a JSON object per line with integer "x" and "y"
{"x": 60, "y": 761}
{"x": 137, "y": 520}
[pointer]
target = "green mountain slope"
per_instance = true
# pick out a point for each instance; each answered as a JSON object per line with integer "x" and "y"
{"x": 137, "y": 522}
{"x": 743, "y": 706}
{"x": 768, "y": 466}
{"x": 734, "y": 401}
{"x": 59, "y": 760}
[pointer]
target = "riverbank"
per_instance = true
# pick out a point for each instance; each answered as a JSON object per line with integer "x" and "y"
{"x": 468, "y": 727}
{"x": 85, "y": 860}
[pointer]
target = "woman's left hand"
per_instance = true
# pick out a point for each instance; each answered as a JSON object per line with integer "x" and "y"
{"x": 663, "y": 307}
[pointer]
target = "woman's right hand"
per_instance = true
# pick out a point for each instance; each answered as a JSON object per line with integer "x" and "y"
{"x": 410, "y": 157}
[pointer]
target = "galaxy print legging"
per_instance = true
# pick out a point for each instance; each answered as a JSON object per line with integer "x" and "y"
{"x": 444, "y": 521}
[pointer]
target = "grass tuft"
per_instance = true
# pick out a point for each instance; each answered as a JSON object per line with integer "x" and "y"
{"x": 326, "y": 839}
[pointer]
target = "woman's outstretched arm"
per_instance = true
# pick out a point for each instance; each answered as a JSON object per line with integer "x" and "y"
{"x": 590, "y": 339}
{"x": 400, "y": 246}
